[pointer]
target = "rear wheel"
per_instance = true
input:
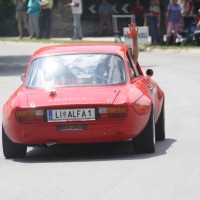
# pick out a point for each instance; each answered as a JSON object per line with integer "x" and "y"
{"x": 160, "y": 125}
{"x": 145, "y": 142}
{"x": 11, "y": 149}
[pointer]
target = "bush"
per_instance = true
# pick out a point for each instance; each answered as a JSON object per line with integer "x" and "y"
{"x": 8, "y": 25}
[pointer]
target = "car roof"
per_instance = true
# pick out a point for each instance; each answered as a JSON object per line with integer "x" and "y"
{"x": 111, "y": 48}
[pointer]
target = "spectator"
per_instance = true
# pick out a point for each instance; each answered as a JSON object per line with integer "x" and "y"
{"x": 34, "y": 13}
{"x": 21, "y": 16}
{"x": 154, "y": 21}
{"x": 45, "y": 18}
{"x": 173, "y": 17}
{"x": 182, "y": 3}
{"x": 197, "y": 31}
{"x": 187, "y": 13}
{"x": 196, "y": 6}
{"x": 76, "y": 6}
{"x": 139, "y": 10}
{"x": 105, "y": 13}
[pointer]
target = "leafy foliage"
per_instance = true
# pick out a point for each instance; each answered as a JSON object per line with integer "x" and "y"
{"x": 8, "y": 25}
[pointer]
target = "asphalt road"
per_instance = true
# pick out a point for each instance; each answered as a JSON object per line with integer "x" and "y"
{"x": 111, "y": 171}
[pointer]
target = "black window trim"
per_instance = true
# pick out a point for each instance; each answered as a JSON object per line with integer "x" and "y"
{"x": 133, "y": 65}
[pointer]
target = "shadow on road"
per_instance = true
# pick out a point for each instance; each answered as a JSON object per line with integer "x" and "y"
{"x": 91, "y": 152}
{"x": 13, "y": 65}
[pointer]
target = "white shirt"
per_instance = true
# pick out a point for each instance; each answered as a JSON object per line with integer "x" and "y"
{"x": 77, "y": 10}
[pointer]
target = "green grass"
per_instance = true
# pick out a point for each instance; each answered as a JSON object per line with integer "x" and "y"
{"x": 58, "y": 41}
{"x": 172, "y": 47}
{"x": 68, "y": 41}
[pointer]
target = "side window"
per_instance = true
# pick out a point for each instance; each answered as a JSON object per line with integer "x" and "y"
{"x": 131, "y": 70}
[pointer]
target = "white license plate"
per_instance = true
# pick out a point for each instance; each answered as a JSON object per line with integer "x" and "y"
{"x": 71, "y": 114}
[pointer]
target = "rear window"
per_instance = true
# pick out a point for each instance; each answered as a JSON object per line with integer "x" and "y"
{"x": 76, "y": 70}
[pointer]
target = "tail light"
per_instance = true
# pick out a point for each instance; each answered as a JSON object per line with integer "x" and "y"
{"x": 30, "y": 115}
{"x": 112, "y": 112}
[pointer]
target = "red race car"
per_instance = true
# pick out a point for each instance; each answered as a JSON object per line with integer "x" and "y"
{"x": 83, "y": 93}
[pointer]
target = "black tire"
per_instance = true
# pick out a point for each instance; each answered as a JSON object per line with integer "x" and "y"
{"x": 145, "y": 142}
{"x": 160, "y": 125}
{"x": 11, "y": 149}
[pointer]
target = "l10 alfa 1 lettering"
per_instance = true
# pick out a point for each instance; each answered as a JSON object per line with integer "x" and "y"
{"x": 64, "y": 114}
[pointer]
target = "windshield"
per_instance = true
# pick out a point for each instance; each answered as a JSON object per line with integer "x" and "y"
{"x": 76, "y": 70}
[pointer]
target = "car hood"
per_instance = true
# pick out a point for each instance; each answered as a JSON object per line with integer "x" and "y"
{"x": 72, "y": 96}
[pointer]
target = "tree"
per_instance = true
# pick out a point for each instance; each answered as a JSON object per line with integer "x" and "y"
{"x": 8, "y": 25}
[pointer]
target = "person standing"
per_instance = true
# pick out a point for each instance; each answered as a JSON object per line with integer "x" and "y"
{"x": 34, "y": 13}
{"x": 154, "y": 21}
{"x": 77, "y": 10}
{"x": 105, "y": 14}
{"x": 21, "y": 16}
{"x": 196, "y": 6}
{"x": 45, "y": 18}
{"x": 197, "y": 31}
{"x": 139, "y": 10}
{"x": 187, "y": 13}
{"x": 174, "y": 18}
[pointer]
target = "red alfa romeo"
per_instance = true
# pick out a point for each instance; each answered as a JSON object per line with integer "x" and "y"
{"x": 83, "y": 93}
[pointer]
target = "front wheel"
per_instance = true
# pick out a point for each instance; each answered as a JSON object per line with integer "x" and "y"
{"x": 11, "y": 149}
{"x": 145, "y": 142}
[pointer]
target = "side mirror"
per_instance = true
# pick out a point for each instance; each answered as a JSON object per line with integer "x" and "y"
{"x": 149, "y": 72}
{"x": 22, "y": 77}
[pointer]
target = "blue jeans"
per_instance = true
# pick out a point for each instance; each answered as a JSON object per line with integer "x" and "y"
{"x": 45, "y": 23}
{"x": 153, "y": 28}
{"x": 77, "y": 26}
